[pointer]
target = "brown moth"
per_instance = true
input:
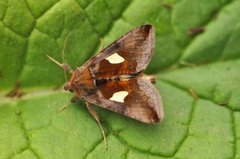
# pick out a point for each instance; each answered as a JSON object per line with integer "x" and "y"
{"x": 114, "y": 78}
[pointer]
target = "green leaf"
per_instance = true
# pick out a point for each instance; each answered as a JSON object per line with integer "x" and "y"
{"x": 197, "y": 77}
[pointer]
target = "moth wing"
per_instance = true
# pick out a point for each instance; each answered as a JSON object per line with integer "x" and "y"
{"x": 136, "y": 98}
{"x": 128, "y": 55}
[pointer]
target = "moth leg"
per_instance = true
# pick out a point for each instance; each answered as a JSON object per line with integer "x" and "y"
{"x": 72, "y": 100}
{"x": 96, "y": 117}
{"x": 65, "y": 106}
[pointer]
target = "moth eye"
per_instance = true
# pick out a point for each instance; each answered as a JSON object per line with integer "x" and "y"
{"x": 115, "y": 59}
{"x": 119, "y": 96}
{"x": 70, "y": 90}
{"x": 66, "y": 86}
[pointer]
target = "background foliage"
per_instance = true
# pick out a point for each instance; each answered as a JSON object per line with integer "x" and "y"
{"x": 186, "y": 63}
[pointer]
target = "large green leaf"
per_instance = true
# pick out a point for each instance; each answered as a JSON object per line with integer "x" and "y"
{"x": 198, "y": 78}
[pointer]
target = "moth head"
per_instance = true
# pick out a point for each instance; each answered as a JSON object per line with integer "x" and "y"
{"x": 70, "y": 85}
{"x": 67, "y": 87}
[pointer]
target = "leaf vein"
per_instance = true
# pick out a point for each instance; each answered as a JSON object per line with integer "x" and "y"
{"x": 199, "y": 95}
{"x": 188, "y": 127}
{"x": 22, "y": 126}
{"x": 234, "y": 131}
{"x": 132, "y": 148}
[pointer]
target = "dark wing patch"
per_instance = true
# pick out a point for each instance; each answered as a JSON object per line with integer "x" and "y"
{"x": 135, "y": 48}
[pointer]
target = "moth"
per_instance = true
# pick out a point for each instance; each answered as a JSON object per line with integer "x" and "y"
{"x": 114, "y": 79}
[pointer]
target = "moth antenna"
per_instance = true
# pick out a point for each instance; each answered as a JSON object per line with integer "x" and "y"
{"x": 101, "y": 45}
{"x": 55, "y": 61}
{"x": 65, "y": 67}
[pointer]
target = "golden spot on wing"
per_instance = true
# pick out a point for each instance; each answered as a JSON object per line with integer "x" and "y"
{"x": 115, "y": 59}
{"x": 119, "y": 96}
